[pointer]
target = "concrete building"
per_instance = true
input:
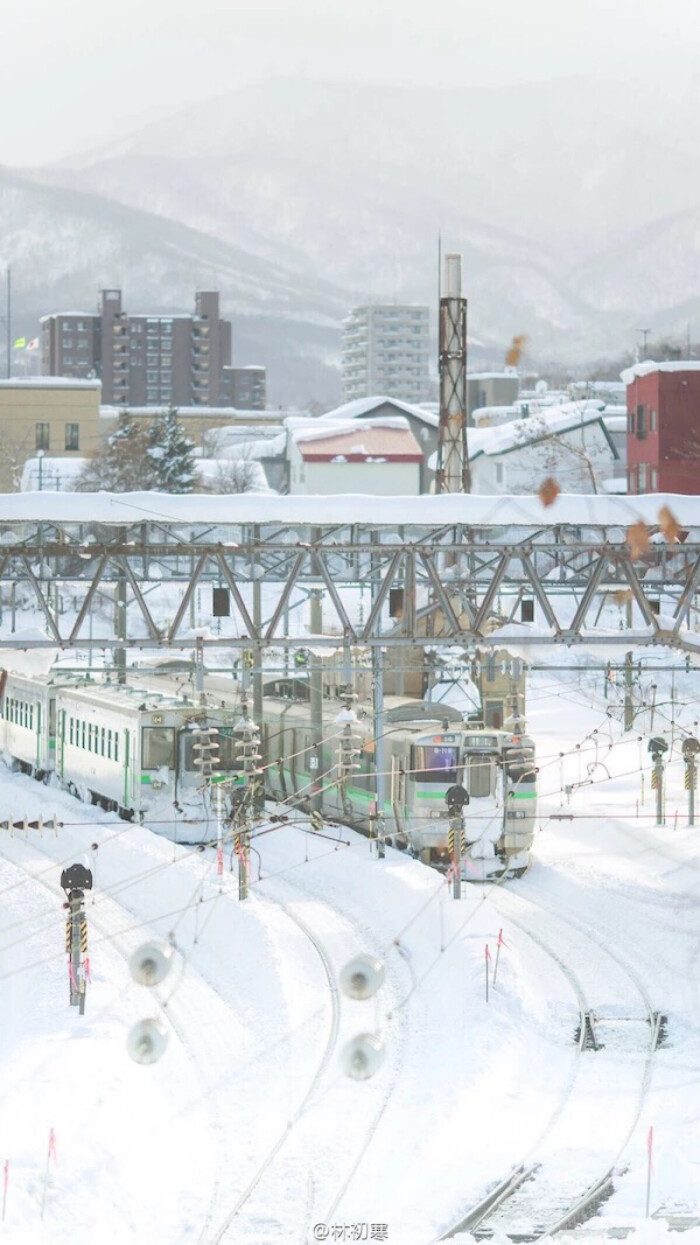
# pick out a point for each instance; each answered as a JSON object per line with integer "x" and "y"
{"x": 142, "y": 360}
{"x": 45, "y": 415}
{"x": 491, "y": 389}
{"x": 386, "y": 349}
{"x": 244, "y": 387}
{"x": 663, "y": 427}
{"x": 381, "y": 457}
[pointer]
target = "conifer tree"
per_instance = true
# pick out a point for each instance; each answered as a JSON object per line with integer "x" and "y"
{"x": 171, "y": 454}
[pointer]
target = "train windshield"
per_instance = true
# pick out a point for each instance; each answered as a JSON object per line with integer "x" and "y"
{"x": 157, "y": 747}
{"x": 478, "y": 772}
{"x": 434, "y": 763}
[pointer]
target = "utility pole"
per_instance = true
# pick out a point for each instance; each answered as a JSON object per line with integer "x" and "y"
{"x": 453, "y": 475}
{"x": 629, "y": 702}
{"x": 316, "y": 689}
{"x": 120, "y": 614}
{"x": 644, "y": 333}
{"x": 257, "y": 621}
{"x": 9, "y": 323}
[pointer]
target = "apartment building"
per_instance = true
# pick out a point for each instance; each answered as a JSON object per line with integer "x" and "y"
{"x": 143, "y": 360}
{"x": 244, "y": 388}
{"x": 386, "y": 350}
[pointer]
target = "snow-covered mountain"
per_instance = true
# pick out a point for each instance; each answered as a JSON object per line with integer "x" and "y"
{"x": 572, "y": 202}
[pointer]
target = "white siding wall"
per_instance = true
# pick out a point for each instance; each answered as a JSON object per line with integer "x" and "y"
{"x": 377, "y": 479}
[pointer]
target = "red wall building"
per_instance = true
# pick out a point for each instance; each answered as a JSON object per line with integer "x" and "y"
{"x": 663, "y": 427}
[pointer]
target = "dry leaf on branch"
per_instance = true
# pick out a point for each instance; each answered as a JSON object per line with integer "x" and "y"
{"x": 548, "y": 491}
{"x": 638, "y": 539}
{"x": 669, "y": 526}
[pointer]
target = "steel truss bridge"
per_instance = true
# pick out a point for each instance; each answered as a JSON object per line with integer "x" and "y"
{"x": 455, "y": 570}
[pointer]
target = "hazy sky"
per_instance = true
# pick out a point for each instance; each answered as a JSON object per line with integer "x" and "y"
{"x": 75, "y": 73}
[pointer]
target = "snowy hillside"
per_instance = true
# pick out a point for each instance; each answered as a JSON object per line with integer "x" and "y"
{"x": 537, "y": 185}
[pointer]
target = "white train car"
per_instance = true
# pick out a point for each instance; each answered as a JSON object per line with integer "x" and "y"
{"x": 126, "y": 748}
{"x": 28, "y": 722}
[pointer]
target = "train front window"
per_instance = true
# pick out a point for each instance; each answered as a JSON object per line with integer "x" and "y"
{"x": 479, "y": 777}
{"x": 434, "y": 763}
{"x": 157, "y": 747}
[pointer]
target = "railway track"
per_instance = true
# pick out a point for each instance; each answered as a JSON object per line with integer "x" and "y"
{"x": 219, "y": 1234}
{"x": 559, "y": 1182}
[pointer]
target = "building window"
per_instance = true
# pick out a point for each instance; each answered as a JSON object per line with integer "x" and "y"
{"x": 641, "y": 423}
{"x": 642, "y": 474}
{"x": 72, "y": 436}
{"x": 500, "y": 473}
{"x": 43, "y": 436}
{"x": 654, "y": 480}
{"x": 652, "y": 421}
{"x": 630, "y": 422}
{"x": 631, "y": 481}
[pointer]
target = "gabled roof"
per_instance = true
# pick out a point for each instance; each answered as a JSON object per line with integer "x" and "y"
{"x": 520, "y": 433}
{"x": 365, "y": 406}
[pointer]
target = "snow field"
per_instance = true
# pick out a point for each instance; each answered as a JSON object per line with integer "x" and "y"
{"x": 250, "y": 1094}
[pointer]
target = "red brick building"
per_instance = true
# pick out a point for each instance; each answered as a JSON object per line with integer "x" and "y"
{"x": 663, "y": 427}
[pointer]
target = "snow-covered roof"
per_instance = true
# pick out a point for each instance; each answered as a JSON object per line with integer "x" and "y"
{"x": 364, "y": 406}
{"x": 475, "y": 510}
{"x": 201, "y": 412}
{"x": 261, "y": 447}
{"x": 507, "y": 375}
{"x": 569, "y": 417}
{"x": 87, "y": 315}
{"x": 649, "y": 367}
{"x": 49, "y": 382}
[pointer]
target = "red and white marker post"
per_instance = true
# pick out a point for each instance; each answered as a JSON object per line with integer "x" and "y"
{"x": 501, "y": 943}
{"x": 51, "y": 1153}
{"x": 650, "y": 1166}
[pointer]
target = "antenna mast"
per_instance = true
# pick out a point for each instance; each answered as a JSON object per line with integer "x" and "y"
{"x": 453, "y": 474}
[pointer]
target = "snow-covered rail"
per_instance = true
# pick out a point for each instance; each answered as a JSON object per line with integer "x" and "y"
{"x": 559, "y": 1183}
{"x": 221, "y": 1232}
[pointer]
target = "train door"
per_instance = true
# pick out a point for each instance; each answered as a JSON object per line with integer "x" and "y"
{"x": 51, "y": 754}
{"x": 127, "y": 802}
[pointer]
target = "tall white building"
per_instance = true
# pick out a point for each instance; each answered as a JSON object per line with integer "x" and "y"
{"x": 386, "y": 350}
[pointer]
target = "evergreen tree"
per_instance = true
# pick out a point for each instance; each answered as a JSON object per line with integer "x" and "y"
{"x": 171, "y": 455}
{"x": 122, "y": 465}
